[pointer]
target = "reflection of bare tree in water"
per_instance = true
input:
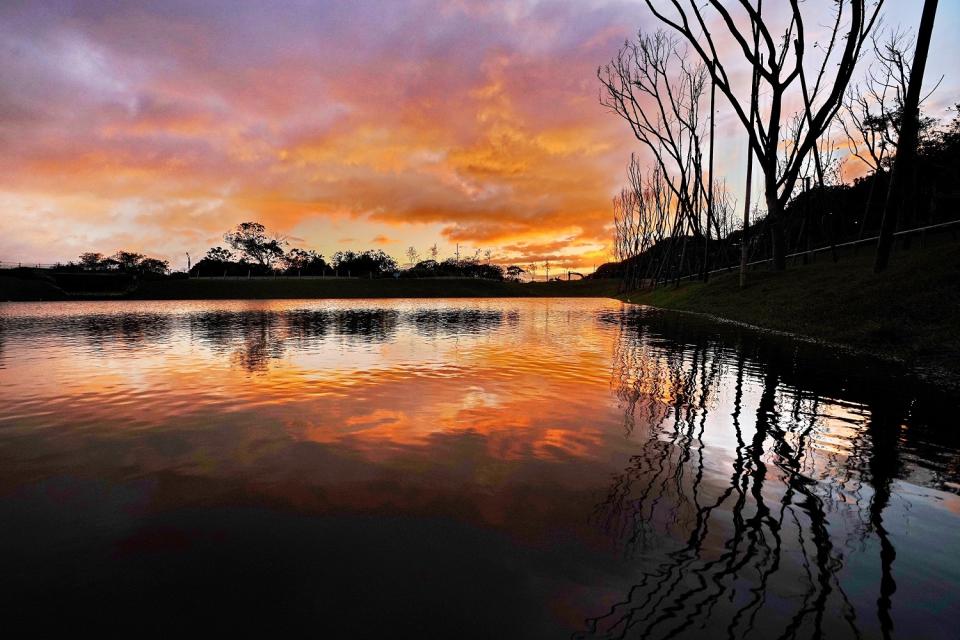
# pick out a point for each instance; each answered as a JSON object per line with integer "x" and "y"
{"x": 756, "y": 553}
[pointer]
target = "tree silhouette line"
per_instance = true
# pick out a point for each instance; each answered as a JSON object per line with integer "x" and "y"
{"x": 253, "y": 251}
{"x": 675, "y": 218}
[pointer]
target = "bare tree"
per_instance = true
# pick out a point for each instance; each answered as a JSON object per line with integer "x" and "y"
{"x": 710, "y": 187}
{"x": 250, "y": 239}
{"x": 781, "y": 63}
{"x": 908, "y": 139}
{"x": 724, "y": 206}
{"x": 872, "y": 110}
{"x": 626, "y": 232}
{"x": 642, "y": 213}
{"x": 413, "y": 257}
{"x": 824, "y": 165}
{"x": 651, "y": 86}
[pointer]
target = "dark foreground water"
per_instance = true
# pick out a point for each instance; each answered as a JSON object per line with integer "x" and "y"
{"x": 478, "y": 468}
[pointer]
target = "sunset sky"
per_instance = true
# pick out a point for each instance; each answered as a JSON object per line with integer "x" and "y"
{"x": 156, "y": 126}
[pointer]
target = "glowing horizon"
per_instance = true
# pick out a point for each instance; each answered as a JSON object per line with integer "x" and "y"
{"x": 340, "y": 125}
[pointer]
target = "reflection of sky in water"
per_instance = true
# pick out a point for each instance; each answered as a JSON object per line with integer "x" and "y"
{"x": 639, "y": 473}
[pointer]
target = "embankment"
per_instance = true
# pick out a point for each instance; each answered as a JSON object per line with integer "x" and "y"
{"x": 911, "y": 312}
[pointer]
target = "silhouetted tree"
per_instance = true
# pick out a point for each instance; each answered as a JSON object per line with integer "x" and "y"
{"x": 91, "y": 261}
{"x": 219, "y": 254}
{"x": 908, "y": 141}
{"x": 412, "y": 255}
{"x": 781, "y": 63}
{"x": 651, "y": 85}
{"x": 304, "y": 262}
{"x": 873, "y": 110}
{"x": 127, "y": 260}
{"x": 514, "y": 273}
{"x": 370, "y": 263}
{"x": 153, "y": 267}
{"x": 251, "y": 240}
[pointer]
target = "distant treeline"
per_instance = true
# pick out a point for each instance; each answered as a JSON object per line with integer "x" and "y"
{"x": 127, "y": 263}
{"x": 358, "y": 264}
{"x": 252, "y": 252}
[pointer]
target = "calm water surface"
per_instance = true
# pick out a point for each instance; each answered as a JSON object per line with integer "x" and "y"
{"x": 478, "y": 468}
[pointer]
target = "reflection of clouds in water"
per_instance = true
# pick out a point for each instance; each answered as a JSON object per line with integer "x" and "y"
{"x": 748, "y": 479}
{"x": 409, "y": 412}
{"x": 478, "y": 397}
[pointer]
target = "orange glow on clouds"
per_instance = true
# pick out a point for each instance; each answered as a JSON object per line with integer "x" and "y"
{"x": 157, "y": 128}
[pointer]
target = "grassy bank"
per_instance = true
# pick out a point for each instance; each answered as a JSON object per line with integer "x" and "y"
{"x": 911, "y": 312}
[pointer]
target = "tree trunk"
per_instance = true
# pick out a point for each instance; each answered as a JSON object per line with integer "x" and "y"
{"x": 778, "y": 238}
{"x": 907, "y": 144}
{"x": 683, "y": 254}
{"x": 710, "y": 216}
{"x": 744, "y": 246}
{"x": 877, "y": 174}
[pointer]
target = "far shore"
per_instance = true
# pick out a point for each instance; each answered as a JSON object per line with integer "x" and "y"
{"x": 37, "y": 289}
{"x": 912, "y": 314}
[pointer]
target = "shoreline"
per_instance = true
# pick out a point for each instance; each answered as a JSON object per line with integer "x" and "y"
{"x": 932, "y": 373}
{"x": 27, "y": 290}
{"x": 909, "y": 315}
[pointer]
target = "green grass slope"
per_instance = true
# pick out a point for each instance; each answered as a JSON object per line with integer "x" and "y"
{"x": 911, "y": 312}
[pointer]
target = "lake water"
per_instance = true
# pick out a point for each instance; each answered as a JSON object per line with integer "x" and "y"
{"x": 466, "y": 468}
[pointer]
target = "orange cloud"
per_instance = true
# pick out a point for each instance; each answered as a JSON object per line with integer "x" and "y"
{"x": 158, "y": 130}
